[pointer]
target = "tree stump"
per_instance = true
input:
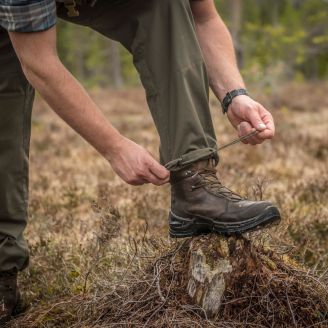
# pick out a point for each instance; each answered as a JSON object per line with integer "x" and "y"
{"x": 215, "y": 264}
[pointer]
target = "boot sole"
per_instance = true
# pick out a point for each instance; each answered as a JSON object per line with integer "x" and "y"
{"x": 187, "y": 227}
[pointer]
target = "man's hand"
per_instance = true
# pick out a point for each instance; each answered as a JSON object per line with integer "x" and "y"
{"x": 245, "y": 115}
{"x": 215, "y": 40}
{"x": 136, "y": 166}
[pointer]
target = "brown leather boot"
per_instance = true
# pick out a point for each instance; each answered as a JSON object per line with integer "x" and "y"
{"x": 201, "y": 204}
{"x": 9, "y": 296}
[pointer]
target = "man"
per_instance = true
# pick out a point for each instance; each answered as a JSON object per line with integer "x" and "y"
{"x": 179, "y": 47}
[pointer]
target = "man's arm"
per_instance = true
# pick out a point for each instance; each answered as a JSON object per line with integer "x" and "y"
{"x": 42, "y": 67}
{"x": 215, "y": 40}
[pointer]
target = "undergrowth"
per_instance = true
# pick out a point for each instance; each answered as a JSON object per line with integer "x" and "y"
{"x": 100, "y": 254}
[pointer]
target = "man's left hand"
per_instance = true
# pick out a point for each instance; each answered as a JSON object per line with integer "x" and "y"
{"x": 245, "y": 115}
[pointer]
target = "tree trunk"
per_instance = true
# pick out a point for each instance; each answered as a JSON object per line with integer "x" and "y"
{"x": 116, "y": 67}
{"x": 207, "y": 279}
{"x": 79, "y": 55}
{"x": 217, "y": 264}
{"x": 236, "y": 20}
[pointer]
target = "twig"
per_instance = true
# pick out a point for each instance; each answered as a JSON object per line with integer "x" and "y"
{"x": 290, "y": 309}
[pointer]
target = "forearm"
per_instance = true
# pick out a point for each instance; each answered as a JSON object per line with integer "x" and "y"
{"x": 72, "y": 103}
{"x": 42, "y": 67}
{"x": 217, "y": 47}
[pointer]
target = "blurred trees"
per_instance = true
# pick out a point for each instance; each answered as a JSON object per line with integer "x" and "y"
{"x": 274, "y": 40}
{"x": 288, "y": 34}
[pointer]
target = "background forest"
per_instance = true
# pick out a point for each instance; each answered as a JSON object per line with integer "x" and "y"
{"x": 275, "y": 40}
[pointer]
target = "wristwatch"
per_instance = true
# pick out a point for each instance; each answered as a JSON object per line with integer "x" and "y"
{"x": 229, "y": 96}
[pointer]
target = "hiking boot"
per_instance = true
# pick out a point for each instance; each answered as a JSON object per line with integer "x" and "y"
{"x": 200, "y": 204}
{"x": 9, "y": 296}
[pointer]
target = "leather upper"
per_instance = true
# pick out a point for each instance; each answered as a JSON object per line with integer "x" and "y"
{"x": 197, "y": 192}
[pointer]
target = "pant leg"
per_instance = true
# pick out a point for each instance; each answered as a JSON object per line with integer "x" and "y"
{"x": 16, "y": 98}
{"x": 161, "y": 36}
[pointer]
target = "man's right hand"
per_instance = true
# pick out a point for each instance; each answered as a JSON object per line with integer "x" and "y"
{"x": 135, "y": 165}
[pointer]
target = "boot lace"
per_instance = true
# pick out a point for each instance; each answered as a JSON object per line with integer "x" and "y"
{"x": 210, "y": 181}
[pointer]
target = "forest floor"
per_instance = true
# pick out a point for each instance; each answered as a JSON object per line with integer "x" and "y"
{"x": 88, "y": 230}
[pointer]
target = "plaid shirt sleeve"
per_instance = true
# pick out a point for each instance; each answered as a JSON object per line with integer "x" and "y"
{"x": 27, "y": 15}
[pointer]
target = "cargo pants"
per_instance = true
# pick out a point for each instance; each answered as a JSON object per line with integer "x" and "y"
{"x": 161, "y": 36}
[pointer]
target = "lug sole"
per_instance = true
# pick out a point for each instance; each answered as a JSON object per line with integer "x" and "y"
{"x": 189, "y": 227}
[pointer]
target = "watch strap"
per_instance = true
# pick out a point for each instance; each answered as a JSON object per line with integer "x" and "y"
{"x": 229, "y": 96}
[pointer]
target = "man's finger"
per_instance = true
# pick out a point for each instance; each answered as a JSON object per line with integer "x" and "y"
{"x": 255, "y": 141}
{"x": 267, "y": 118}
{"x": 137, "y": 182}
{"x": 269, "y": 132}
{"x": 159, "y": 171}
{"x": 255, "y": 119}
{"x": 154, "y": 179}
{"x": 266, "y": 134}
{"x": 243, "y": 129}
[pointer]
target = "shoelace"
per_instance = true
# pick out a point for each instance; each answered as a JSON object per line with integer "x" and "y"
{"x": 246, "y": 136}
{"x": 211, "y": 181}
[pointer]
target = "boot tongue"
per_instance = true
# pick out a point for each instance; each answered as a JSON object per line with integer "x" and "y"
{"x": 213, "y": 183}
{"x": 192, "y": 168}
{"x": 206, "y": 168}
{"x": 205, "y": 164}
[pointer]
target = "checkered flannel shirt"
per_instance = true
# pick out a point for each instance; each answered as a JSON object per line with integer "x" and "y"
{"x": 27, "y": 15}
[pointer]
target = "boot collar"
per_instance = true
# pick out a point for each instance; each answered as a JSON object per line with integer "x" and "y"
{"x": 192, "y": 169}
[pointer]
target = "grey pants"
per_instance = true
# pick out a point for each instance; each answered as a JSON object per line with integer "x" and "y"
{"x": 161, "y": 36}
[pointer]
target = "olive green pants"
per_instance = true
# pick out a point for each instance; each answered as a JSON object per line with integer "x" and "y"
{"x": 161, "y": 36}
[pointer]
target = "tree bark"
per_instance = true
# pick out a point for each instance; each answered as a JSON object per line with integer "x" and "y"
{"x": 216, "y": 264}
{"x": 116, "y": 67}
{"x": 236, "y": 20}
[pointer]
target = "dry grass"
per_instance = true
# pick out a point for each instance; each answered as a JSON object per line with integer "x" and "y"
{"x": 267, "y": 290}
{"x": 95, "y": 241}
